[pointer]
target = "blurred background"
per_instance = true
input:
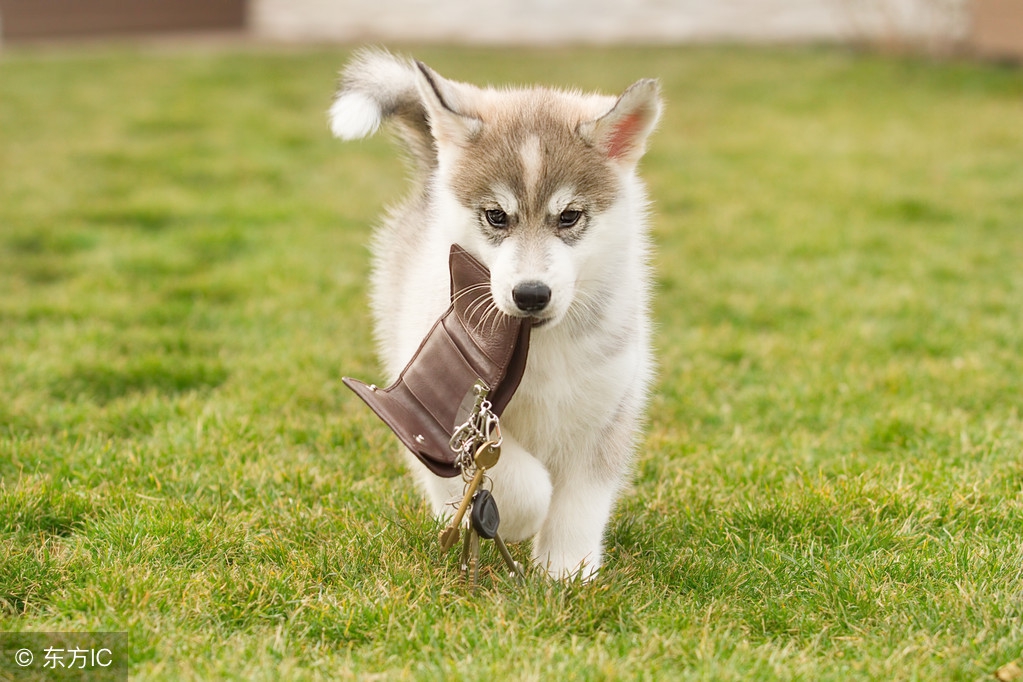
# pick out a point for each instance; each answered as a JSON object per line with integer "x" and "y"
{"x": 991, "y": 28}
{"x": 830, "y": 486}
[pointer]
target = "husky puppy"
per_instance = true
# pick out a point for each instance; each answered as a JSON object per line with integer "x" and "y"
{"x": 540, "y": 185}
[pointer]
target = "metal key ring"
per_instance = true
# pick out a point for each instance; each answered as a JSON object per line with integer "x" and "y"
{"x": 494, "y": 424}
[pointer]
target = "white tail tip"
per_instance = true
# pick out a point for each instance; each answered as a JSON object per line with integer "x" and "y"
{"x": 354, "y": 115}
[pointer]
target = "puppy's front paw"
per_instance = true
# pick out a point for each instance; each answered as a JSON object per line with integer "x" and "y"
{"x": 561, "y": 565}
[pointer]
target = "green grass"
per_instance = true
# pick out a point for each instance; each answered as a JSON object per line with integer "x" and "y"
{"x": 831, "y": 485}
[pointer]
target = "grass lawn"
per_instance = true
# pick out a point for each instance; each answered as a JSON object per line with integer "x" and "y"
{"x": 831, "y": 486}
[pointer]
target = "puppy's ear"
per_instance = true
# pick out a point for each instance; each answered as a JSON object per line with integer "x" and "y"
{"x": 621, "y": 133}
{"x": 448, "y": 107}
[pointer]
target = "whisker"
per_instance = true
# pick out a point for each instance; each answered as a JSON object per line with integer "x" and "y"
{"x": 475, "y": 288}
{"x": 496, "y": 318}
{"x": 480, "y": 298}
{"x": 491, "y": 318}
{"x": 481, "y": 322}
{"x": 476, "y": 306}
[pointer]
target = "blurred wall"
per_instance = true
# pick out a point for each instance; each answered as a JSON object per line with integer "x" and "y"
{"x": 549, "y": 22}
{"x": 54, "y": 19}
{"x": 997, "y": 28}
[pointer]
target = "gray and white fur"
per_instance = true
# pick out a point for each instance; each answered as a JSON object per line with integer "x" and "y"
{"x": 540, "y": 185}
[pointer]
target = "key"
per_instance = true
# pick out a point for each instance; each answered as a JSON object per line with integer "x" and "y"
{"x": 485, "y": 520}
{"x": 516, "y": 567}
{"x": 474, "y": 559}
{"x": 484, "y": 515}
{"x": 464, "y": 563}
{"x": 449, "y": 536}
{"x": 487, "y": 453}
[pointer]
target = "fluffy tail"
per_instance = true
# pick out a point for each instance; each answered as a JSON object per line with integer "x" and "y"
{"x": 377, "y": 86}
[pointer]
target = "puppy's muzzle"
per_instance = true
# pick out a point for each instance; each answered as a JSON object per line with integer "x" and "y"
{"x": 531, "y": 297}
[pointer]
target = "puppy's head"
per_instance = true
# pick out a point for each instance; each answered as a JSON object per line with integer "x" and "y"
{"x": 535, "y": 183}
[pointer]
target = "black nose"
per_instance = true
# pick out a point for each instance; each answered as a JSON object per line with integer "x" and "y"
{"x": 531, "y": 297}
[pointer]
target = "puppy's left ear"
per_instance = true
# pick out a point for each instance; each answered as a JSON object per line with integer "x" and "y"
{"x": 621, "y": 133}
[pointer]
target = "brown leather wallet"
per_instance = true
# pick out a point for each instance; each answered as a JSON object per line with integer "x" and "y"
{"x": 472, "y": 342}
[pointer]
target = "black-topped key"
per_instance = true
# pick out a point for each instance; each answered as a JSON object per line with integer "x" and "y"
{"x": 484, "y": 515}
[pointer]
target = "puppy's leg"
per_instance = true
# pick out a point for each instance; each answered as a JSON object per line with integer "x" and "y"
{"x": 571, "y": 541}
{"x": 522, "y": 489}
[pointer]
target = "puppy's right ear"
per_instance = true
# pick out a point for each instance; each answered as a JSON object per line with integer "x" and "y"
{"x": 448, "y": 107}
{"x": 621, "y": 133}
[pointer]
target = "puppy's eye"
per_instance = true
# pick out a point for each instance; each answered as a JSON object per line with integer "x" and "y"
{"x": 569, "y": 218}
{"x": 496, "y": 217}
